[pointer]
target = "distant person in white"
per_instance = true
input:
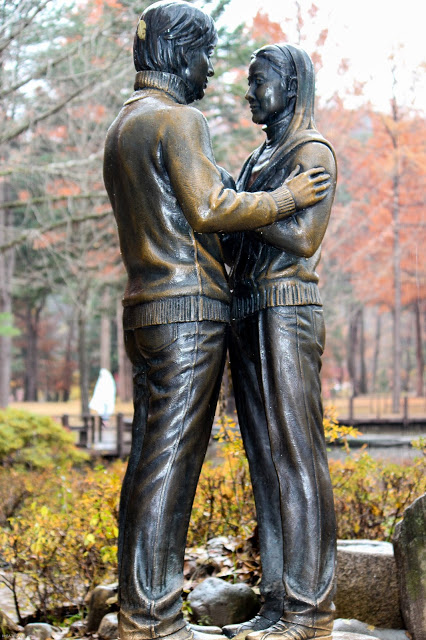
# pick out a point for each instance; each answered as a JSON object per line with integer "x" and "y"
{"x": 103, "y": 399}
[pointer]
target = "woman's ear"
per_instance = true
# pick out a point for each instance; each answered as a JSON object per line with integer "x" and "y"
{"x": 292, "y": 87}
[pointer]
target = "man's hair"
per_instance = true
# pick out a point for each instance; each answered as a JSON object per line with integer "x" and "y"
{"x": 280, "y": 59}
{"x": 166, "y": 31}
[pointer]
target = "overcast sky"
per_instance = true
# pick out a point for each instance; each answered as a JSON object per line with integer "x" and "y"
{"x": 366, "y": 32}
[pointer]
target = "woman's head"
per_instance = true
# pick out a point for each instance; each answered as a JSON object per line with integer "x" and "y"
{"x": 272, "y": 84}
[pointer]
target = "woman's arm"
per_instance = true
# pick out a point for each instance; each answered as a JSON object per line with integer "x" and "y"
{"x": 302, "y": 233}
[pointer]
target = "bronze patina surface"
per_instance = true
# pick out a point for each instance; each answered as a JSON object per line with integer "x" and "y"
{"x": 169, "y": 201}
{"x": 277, "y": 340}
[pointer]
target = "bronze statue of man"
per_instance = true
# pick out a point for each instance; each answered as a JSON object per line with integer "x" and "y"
{"x": 277, "y": 340}
{"x": 169, "y": 201}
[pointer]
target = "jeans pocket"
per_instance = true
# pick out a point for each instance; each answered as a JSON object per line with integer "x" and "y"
{"x": 319, "y": 327}
{"x": 155, "y": 338}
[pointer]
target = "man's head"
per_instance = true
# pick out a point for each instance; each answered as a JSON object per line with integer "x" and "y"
{"x": 176, "y": 37}
{"x": 272, "y": 84}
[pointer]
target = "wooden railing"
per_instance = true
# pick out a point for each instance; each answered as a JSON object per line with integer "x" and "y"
{"x": 371, "y": 414}
{"x": 376, "y": 411}
{"x": 90, "y": 432}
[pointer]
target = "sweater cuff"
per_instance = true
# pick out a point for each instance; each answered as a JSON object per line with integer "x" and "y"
{"x": 284, "y": 201}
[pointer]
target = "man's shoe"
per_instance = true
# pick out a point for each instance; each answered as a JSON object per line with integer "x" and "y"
{"x": 210, "y": 630}
{"x": 199, "y": 635}
{"x": 289, "y": 631}
{"x": 128, "y": 630}
{"x": 241, "y": 630}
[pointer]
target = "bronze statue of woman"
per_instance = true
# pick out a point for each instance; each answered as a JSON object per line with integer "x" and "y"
{"x": 276, "y": 346}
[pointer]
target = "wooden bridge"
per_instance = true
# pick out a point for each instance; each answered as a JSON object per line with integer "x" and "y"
{"x": 378, "y": 427}
{"x": 373, "y": 414}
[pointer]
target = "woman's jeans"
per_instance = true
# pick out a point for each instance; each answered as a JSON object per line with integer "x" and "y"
{"x": 276, "y": 363}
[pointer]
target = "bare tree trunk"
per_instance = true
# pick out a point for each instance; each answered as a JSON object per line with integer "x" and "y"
{"x": 67, "y": 373}
{"x": 419, "y": 351}
{"x": 396, "y": 384}
{"x": 83, "y": 364}
{"x": 352, "y": 350}
{"x": 376, "y": 350}
{"x": 31, "y": 357}
{"x": 226, "y": 404}
{"x": 125, "y": 383}
{"x": 7, "y": 264}
{"x": 5, "y": 356}
{"x": 363, "y": 385}
{"x": 405, "y": 382}
{"x": 105, "y": 332}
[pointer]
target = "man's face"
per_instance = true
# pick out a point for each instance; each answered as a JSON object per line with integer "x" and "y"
{"x": 199, "y": 67}
{"x": 268, "y": 94}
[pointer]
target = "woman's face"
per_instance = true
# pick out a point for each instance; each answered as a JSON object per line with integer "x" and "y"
{"x": 268, "y": 94}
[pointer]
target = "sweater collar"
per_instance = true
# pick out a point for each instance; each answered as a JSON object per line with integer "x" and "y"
{"x": 167, "y": 82}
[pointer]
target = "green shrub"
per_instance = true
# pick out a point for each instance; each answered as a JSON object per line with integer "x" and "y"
{"x": 35, "y": 442}
{"x": 371, "y": 494}
{"x": 59, "y": 534}
{"x": 224, "y": 502}
{"x": 63, "y": 542}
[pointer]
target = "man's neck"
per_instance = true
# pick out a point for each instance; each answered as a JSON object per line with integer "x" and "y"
{"x": 167, "y": 82}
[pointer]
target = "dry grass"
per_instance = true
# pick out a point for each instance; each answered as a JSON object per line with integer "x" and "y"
{"x": 71, "y": 408}
{"x": 379, "y": 405}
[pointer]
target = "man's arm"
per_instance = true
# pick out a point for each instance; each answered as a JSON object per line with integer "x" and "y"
{"x": 197, "y": 183}
{"x": 302, "y": 233}
{"x": 229, "y": 241}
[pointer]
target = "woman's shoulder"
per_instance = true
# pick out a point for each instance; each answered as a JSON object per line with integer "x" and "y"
{"x": 314, "y": 153}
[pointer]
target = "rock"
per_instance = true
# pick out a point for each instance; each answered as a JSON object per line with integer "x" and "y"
{"x": 77, "y": 629}
{"x": 100, "y": 604}
{"x": 367, "y": 588}
{"x": 217, "y": 543}
{"x": 39, "y": 630}
{"x": 410, "y": 554}
{"x": 217, "y": 602}
{"x": 7, "y": 626}
{"x": 355, "y": 626}
{"x": 108, "y": 629}
{"x": 189, "y": 568}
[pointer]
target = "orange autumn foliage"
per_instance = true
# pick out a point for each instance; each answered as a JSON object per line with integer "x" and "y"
{"x": 380, "y": 193}
{"x": 98, "y": 7}
{"x": 63, "y": 187}
{"x": 263, "y": 27}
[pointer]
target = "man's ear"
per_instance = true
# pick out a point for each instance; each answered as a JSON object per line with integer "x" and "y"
{"x": 180, "y": 63}
{"x": 183, "y": 62}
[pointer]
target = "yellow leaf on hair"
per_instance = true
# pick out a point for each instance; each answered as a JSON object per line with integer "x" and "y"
{"x": 142, "y": 29}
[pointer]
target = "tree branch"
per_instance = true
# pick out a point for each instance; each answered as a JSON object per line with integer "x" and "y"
{"x": 53, "y": 167}
{"x": 23, "y": 24}
{"x": 28, "y": 123}
{"x": 38, "y": 73}
{"x": 36, "y": 233}
{"x": 15, "y": 204}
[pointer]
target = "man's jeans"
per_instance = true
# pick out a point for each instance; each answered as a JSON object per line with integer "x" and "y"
{"x": 177, "y": 373}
